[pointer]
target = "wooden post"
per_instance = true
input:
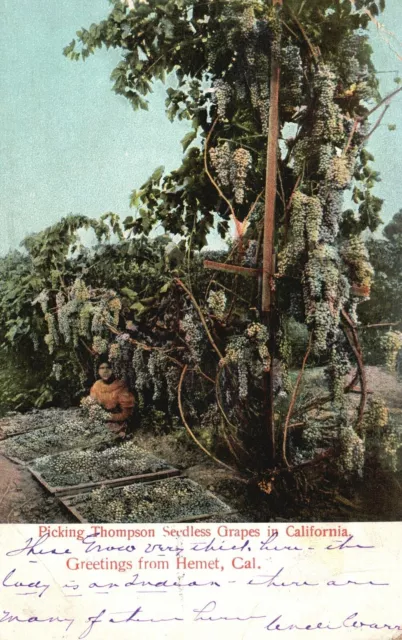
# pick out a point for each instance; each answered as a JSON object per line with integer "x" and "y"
{"x": 268, "y": 270}
{"x": 270, "y": 181}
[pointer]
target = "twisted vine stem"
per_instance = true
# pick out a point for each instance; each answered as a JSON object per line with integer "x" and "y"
{"x": 190, "y": 432}
{"x": 293, "y": 401}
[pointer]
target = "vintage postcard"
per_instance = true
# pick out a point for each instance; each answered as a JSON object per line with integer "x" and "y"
{"x": 201, "y": 318}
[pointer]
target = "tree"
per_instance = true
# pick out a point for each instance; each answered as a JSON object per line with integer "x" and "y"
{"x": 329, "y": 91}
{"x": 382, "y": 314}
{"x": 29, "y": 280}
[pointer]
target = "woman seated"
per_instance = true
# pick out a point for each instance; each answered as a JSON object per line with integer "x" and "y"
{"x": 114, "y": 396}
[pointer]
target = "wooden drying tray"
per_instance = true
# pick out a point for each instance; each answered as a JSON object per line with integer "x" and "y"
{"x": 73, "y": 507}
{"x": 85, "y": 487}
{"x": 25, "y": 463}
{"x": 7, "y": 436}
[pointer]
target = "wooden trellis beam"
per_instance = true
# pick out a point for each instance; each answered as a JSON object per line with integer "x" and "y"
{"x": 232, "y": 268}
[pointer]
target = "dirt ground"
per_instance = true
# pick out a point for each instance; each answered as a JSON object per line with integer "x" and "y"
{"x": 386, "y": 385}
{"x": 22, "y": 499}
{"x": 377, "y": 498}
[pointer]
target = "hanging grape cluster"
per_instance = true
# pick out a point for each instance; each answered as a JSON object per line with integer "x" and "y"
{"x": 292, "y": 69}
{"x": 352, "y": 447}
{"x": 223, "y": 94}
{"x": 305, "y": 225}
{"x": 248, "y": 354}
{"x": 217, "y": 303}
{"x": 391, "y": 342}
{"x": 231, "y": 169}
{"x": 376, "y": 416}
{"x": 193, "y": 335}
{"x": 339, "y": 366}
{"x": 356, "y": 256}
{"x": 120, "y": 356}
{"x": 43, "y": 300}
{"x": 221, "y": 159}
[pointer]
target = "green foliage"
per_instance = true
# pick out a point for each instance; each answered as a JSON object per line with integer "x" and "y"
{"x": 20, "y": 386}
{"x": 153, "y": 308}
{"x": 225, "y": 50}
{"x": 227, "y": 47}
{"x": 28, "y": 284}
{"x": 385, "y": 304}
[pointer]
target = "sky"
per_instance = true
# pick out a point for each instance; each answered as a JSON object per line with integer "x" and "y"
{"x": 69, "y": 144}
